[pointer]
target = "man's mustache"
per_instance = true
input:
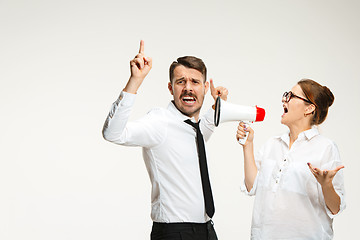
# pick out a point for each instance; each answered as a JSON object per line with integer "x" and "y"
{"x": 188, "y": 94}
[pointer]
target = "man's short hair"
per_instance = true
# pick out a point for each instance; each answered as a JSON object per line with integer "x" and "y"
{"x": 189, "y": 62}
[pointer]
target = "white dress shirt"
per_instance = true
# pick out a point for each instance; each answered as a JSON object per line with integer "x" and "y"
{"x": 170, "y": 155}
{"x": 289, "y": 202}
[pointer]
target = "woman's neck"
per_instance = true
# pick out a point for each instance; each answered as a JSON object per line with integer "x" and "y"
{"x": 295, "y": 131}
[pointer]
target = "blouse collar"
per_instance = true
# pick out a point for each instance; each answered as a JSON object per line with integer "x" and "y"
{"x": 308, "y": 135}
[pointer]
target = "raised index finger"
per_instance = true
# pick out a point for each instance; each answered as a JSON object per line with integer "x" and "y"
{"x": 141, "y": 50}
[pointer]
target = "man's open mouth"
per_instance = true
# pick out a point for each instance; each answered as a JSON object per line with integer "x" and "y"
{"x": 188, "y": 99}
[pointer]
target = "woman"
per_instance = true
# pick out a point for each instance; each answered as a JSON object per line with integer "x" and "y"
{"x": 295, "y": 177}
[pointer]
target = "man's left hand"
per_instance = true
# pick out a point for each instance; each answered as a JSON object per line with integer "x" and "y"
{"x": 220, "y": 91}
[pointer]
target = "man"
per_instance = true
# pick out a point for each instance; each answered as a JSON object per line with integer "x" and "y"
{"x": 173, "y": 150}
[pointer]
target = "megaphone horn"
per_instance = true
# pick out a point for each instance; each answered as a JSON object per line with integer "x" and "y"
{"x": 225, "y": 111}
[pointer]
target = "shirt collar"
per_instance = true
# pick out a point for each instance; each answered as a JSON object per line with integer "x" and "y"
{"x": 179, "y": 115}
{"x": 308, "y": 134}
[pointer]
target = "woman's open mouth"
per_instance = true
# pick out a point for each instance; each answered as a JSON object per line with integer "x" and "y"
{"x": 285, "y": 110}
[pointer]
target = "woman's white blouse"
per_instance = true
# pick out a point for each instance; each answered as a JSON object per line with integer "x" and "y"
{"x": 289, "y": 203}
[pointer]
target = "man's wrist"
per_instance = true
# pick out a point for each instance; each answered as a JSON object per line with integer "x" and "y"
{"x": 133, "y": 85}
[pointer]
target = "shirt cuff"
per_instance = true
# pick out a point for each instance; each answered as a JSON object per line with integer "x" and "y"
{"x": 252, "y": 190}
{"x": 126, "y": 99}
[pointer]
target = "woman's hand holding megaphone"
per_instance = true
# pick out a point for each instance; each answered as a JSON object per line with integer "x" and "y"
{"x": 243, "y": 131}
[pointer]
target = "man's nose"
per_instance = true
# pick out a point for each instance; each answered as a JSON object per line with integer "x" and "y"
{"x": 188, "y": 86}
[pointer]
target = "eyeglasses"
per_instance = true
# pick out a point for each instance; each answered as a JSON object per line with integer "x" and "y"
{"x": 289, "y": 95}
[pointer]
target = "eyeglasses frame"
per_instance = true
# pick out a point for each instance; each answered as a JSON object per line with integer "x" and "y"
{"x": 287, "y": 99}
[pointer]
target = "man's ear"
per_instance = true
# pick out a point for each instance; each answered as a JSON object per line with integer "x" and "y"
{"x": 206, "y": 86}
{"x": 170, "y": 88}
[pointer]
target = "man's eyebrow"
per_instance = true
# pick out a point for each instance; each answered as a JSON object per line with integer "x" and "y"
{"x": 182, "y": 78}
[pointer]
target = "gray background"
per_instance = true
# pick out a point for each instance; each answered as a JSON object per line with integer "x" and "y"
{"x": 62, "y": 64}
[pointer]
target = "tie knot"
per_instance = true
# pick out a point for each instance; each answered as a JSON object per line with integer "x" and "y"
{"x": 195, "y": 125}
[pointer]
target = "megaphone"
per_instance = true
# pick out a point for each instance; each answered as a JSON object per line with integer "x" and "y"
{"x": 225, "y": 112}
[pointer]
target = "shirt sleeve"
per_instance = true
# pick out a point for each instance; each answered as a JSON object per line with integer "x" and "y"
{"x": 331, "y": 161}
{"x": 207, "y": 124}
{"x": 145, "y": 132}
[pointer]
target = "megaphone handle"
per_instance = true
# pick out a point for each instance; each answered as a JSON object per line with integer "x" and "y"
{"x": 243, "y": 140}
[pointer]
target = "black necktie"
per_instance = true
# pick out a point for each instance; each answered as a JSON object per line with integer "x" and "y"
{"x": 208, "y": 198}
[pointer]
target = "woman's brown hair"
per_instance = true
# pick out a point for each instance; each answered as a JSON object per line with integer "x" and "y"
{"x": 320, "y": 95}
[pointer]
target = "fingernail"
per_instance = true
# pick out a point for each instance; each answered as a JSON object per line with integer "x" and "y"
{"x": 308, "y": 164}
